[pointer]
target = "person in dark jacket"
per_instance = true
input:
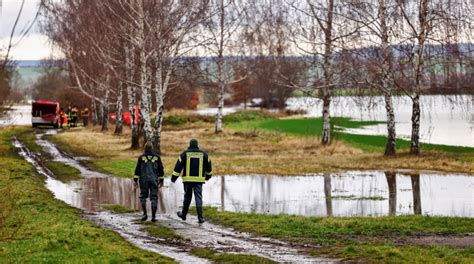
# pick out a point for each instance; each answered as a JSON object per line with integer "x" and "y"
{"x": 197, "y": 169}
{"x": 149, "y": 173}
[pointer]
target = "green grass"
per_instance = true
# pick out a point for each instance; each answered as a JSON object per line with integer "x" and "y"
{"x": 160, "y": 231}
{"x": 28, "y": 138}
{"x": 229, "y": 258}
{"x": 35, "y": 227}
{"x": 336, "y": 234}
{"x": 313, "y": 127}
{"x": 117, "y": 208}
{"x": 120, "y": 168}
{"x": 63, "y": 172}
{"x": 67, "y": 147}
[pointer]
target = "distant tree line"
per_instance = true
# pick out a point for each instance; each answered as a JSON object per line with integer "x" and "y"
{"x": 159, "y": 54}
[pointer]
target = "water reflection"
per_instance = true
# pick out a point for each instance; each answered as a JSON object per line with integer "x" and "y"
{"x": 392, "y": 192}
{"x": 343, "y": 194}
{"x": 415, "y": 184}
{"x": 349, "y": 193}
{"x": 327, "y": 194}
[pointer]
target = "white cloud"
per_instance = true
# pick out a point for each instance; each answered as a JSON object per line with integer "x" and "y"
{"x": 33, "y": 47}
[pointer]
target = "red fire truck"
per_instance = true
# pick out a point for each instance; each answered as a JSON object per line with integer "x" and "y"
{"x": 45, "y": 113}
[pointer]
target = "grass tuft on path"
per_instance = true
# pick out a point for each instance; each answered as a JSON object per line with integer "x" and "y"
{"x": 229, "y": 258}
{"x": 160, "y": 231}
{"x": 117, "y": 208}
{"x": 63, "y": 172}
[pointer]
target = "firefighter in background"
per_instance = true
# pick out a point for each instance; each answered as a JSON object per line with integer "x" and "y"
{"x": 149, "y": 173}
{"x": 197, "y": 169}
{"x": 85, "y": 116}
{"x": 74, "y": 116}
{"x": 62, "y": 117}
{"x": 68, "y": 112}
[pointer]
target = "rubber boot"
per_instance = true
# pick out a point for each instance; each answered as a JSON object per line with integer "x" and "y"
{"x": 199, "y": 212}
{"x": 153, "y": 211}
{"x": 145, "y": 216}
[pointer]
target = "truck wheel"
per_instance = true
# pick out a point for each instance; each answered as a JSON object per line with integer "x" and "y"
{"x": 34, "y": 125}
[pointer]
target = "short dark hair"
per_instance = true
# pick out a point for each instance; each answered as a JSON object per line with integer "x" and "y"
{"x": 193, "y": 143}
{"x": 148, "y": 146}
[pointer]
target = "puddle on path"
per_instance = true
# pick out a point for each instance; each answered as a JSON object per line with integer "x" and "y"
{"x": 96, "y": 189}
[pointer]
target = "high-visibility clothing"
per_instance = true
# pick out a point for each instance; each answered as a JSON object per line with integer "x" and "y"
{"x": 149, "y": 167}
{"x": 195, "y": 166}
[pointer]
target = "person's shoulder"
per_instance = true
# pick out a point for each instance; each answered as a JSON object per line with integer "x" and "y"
{"x": 204, "y": 153}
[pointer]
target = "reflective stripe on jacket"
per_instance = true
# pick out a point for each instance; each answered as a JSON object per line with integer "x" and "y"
{"x": 195, "y": 165}
{"x": 149, "y": 167}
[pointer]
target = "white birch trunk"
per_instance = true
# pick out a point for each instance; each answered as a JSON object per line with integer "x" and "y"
{"x": 105, "y": 111}
{"x": 159, "y": 106}
{"x": 94, "y": 112}
{"x": 145, "y": 102}
{"x": 419, "y": 64}
{"x": 326, "y": 91}
{"x": 119, "y": 119}
{"x": 386, "y": 82}
{"x": 220, "y": 108}
{"x": 220, "y": 70}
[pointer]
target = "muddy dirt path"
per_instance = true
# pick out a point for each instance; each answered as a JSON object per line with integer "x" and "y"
{"x": 207, "y": 236}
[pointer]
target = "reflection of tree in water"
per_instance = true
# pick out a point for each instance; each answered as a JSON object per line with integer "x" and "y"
{"x": 222, "y": 193}
{"x": 415, "y": 183}
{"x": 327, "y": 193}
{"x": 392, "y": 192}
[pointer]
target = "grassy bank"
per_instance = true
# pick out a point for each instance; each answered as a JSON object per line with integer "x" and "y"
{"x": 262, "y": 143}
{"x": 35, "y": 227}
{"x": 312, "y": 127}
{"x": 380, "y": 239}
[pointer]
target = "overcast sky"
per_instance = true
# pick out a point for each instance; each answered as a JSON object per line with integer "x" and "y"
{"x": 35, "y": 46}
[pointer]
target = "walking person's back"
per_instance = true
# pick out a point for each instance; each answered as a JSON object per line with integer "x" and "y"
{"x": 149, "y": 173}
{"x": 197, "y": 169}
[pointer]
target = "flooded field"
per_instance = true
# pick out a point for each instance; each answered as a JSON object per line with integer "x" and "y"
{"x": 344, "y": 194}
{"x": 350, "y": 193}
{"x": 447, "y": 120}
{"x": 17, "y": 115}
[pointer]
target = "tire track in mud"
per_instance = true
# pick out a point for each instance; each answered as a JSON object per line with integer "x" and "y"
{"x": 207, "y": 236}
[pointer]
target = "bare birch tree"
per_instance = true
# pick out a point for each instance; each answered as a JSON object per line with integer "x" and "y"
{"x": 319, "y": 32}
{"x": 377, "y": 21}
{"x": 421, "y": 25}
{"x": 222, "y": 26}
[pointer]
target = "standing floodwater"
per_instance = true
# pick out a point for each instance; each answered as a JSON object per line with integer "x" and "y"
{"x": 96, "y": 189}
{"x": 350, "y": 193}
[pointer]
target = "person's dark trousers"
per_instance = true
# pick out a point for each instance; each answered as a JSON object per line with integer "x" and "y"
{"x": 149, "y": 188}
{"x": 189, "y": 188}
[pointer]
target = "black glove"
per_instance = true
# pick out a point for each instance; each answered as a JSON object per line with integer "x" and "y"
{"x": 208, "y": 177}
{"x": 161, "y": 182}
{"x": 173, "y": 179}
